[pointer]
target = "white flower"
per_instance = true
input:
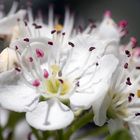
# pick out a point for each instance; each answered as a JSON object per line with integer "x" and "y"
{"x": 56, "y": 74}
{"x": 120, "y": 104}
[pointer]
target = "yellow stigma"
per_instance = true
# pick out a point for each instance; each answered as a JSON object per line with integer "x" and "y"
{"x": 55, "y": 69}
{"x": 138, "y": 93}
{"x": 58, "y": 27}
{"x": 53, "y": 86}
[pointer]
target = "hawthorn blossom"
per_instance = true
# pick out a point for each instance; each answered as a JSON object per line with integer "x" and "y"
{"x": 119, "y": 103}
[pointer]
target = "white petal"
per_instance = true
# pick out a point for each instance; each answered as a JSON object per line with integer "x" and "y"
{"x": 108, "y": 30}
{"x": 115, "y": 124}
{"x": 135, "y": 130}
{"x": 50, "y": 115}
{"x": 81, "y": 100}
{"x": 107, "y": 66}
{"x": 15, "y": 95}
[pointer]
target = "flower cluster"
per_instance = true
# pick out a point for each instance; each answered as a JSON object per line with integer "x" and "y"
{"x": 51, "y": 71}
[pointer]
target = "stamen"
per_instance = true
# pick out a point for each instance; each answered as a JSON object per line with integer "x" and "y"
{"x": 127, "y": 53}
{"x": 63, "y": 33}
{"x": 126, "y": 65}
{"x": 132, "y": 94}
{"x": 97, "y": 63}
{"x": 30, "y": 59}
{"x": 138, "y": 67}
{"x": 137, "y": 114}
{"x": 128, "y": 82}
{"x": 38, "y": 27}
{"x": 91, "y": 49}
{"x": 46, "y": 74}
{"x": 39, "y": 53}
{"x": 50, "y": 43}
{"x": 36, "y": 83}
{"x": 53, "y": 31}
{"x": 71, "y": 44}
{"x": 18, "y": 69}
{"x": 26, "y": 39}
{"x": 16, "y": 47}
{"x": 129, "y": 98}
{"x": 61, "y": 81}
{"x": 138, "y": 93}
{"x": 25, "y": 23}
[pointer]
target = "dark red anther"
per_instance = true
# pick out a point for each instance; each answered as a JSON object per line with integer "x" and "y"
{"x": 30, "y": 59}
{"x": 63, "y": 33}
{"x": 127, "y": 53}
{"x": 128, "y": 82}
{"x": 129, "y": 98}
{"x": 137, "y": 114}
{"x": 71, "y": 44}
{"x": 38, "y": 27}
{"x": 53, "y": 31}
{"x": 25, "y": 22}
{"x": 34, "y": 24}
{"x": 132, "y": 94}
{"x": 18, "y": 69}
{"x": 138, "y": 67}
{"x": 91, "y": 49}
{"x": 16, "y": 47}
{"x": 26, "y": 39}
{"x": 61, "y": 81}
{"x": 126, "y": 65}
{"x": 50, "y": 43}
{"x": 97, "y": 64}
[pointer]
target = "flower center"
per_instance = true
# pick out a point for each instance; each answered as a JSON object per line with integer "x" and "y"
{"x": 118, "y": 106}
{"x": 55, "y": 84}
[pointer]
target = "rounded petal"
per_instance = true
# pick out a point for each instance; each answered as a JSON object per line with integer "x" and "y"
{"x": 14, "y": 94}
{"x": 81, "y": 100}
{"x": 50, "y": 115}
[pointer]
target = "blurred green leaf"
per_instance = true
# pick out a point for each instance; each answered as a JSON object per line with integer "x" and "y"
{"x": 120, "y": 135}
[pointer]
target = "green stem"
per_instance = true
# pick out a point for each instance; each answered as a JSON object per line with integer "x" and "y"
{"x": 59, "y": 135}
{"x": 35, "y": 132}
{"x": 79, "y": 123}
{"x": 46, "y": 135}
{"x": 1, "y": 130}
{"x": 98, "y": 131}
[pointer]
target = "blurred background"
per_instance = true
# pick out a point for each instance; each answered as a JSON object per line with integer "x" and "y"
{"x": 85, "y": 9}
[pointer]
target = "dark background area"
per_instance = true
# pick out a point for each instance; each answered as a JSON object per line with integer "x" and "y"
{"x": 85, "y": 9}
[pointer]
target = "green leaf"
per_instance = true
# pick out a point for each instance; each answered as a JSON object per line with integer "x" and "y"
{"x": 120, "y": 135}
